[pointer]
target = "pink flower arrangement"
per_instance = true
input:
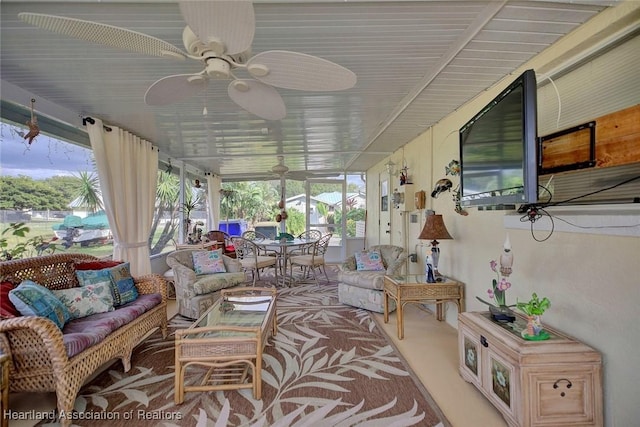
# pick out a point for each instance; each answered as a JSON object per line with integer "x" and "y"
{"x": 499, "y": 286}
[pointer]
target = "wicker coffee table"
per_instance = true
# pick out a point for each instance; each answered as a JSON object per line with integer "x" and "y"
{"x": 414, "y": 288}
{"x": 228, "y": 339}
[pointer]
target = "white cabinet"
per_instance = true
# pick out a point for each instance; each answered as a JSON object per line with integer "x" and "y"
{"x": 552, "y": 383}
{"x": 404, "y": 198}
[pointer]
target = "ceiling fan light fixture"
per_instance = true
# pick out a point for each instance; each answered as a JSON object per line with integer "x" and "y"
{"x": 240, "y": 85}
{"x": 216, "y": 45}
{"x": 258, "y": 70}
{"x": 218, "y": 68}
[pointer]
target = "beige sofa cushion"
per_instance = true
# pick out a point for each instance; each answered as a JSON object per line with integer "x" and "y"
{"x": 214, "y": 282}
{"x": 363, "y": 279}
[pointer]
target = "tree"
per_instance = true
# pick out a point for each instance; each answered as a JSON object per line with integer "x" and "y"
{"x": 252, "y": 201}
{"x": 295, "y": 222}
{"x": 89, "y": 193}
{"x": 167, "y": 192}
{"x": 22, "y": 192}
{"x": 66, "y": 185}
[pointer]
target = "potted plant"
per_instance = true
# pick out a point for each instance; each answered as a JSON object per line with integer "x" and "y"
{"x": 534, "y": 308}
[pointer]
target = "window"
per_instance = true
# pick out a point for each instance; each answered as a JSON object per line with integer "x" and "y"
{"x": 52, "y": 186}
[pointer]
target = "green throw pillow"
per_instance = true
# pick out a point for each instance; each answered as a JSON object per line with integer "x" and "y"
{"x": 32, "y": 299}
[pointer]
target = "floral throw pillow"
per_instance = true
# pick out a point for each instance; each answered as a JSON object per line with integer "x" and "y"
{"x": 32, "y": 299}
{"x": 87, "y": 300}
{"x": 369, "y": 261}
{"x": 123, "y": 288}
{"x": 208, "y": 262}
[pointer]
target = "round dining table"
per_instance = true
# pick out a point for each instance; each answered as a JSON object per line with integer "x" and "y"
{"x": 283, "y": 247}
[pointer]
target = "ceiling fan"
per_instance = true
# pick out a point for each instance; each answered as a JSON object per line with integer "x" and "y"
{"x": 218, "y": 34}
{"x": 280, "y": 170}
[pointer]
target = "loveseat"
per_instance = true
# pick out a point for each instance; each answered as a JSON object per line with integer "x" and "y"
{"x": 364, "y": 288}
{"x": 47, "y": 358}
{"x": 196, "y": 291}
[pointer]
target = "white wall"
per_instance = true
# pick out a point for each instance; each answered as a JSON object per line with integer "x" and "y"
{"x": 592, "y": 280}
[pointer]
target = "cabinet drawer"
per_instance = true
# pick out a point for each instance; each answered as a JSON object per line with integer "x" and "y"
{"x": 564, "y": 397}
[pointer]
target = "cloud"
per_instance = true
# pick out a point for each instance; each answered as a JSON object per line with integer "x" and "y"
{"x": 44, "y": 158}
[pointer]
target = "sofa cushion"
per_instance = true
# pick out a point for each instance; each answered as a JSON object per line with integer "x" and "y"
{"x": 80, "y": 334}
{"x": 86, "y": 300}
{"x": 208, "y": 262}
{"x": 368, "y": 299}
{"x": 32, "y": 299}
{"x": 123, "y": 288}
{"x": 369, "y": 261}
{"x": 214, "y": 282}
{"x": 7, "y": 309}
{"x": 363, "y": 279}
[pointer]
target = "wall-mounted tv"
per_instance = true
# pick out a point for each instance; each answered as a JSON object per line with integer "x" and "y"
{"x": 498, "y": 149}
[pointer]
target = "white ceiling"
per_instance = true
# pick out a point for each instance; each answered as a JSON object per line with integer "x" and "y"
{"x": 415, "y": 61}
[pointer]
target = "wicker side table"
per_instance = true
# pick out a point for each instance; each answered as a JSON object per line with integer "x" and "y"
{"x": 413, "y": 288}
{"x": 4, "y": 387}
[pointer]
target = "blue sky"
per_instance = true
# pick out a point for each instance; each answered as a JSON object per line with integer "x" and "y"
{"x": 44, "y": 158}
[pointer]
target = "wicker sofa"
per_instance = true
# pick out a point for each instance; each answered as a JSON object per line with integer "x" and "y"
{"x": 195, "y": 293}
{"x": 41, "y": 356}
{"x": 363, "y": 289}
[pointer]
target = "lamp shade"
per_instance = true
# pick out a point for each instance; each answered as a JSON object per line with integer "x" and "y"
{"x": 434, "y": 229}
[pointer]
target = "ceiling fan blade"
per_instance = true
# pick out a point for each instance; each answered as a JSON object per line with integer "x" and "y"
{"x": 108, "y": 35}
{"x": 172, "y": 89}
{"x": 294, "y": 70}
{"x": 258, "y": 98}
{"x": 231, "y": 22}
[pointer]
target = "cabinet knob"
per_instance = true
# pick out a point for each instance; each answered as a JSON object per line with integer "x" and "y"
{"x": 483, "y": 341}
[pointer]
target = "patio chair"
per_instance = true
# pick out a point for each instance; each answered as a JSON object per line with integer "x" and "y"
{"x": 224, "y": 240}
{"x": 308, "y": 235}
{"x": 252, "y": 258}
{"x": 313, "y": 260}
{"x": 257, "y": 237}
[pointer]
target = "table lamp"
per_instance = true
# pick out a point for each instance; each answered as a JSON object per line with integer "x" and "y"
{"x": 434, "y": 229}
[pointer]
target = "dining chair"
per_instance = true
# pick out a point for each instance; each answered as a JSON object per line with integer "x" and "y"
{"x": 250, "y": 256}
{"x": 257, "y": 237}
{"x": 308, "y": 235}
{"x": 313, "y": 260}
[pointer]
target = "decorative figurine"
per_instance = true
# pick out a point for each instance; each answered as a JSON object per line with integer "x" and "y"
{"x": 428, "y": 270}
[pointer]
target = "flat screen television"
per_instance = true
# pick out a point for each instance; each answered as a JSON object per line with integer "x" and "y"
{"x": 498, "y": 149}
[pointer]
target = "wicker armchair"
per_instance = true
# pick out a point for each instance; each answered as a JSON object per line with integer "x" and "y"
{"x": 39, "y": 361}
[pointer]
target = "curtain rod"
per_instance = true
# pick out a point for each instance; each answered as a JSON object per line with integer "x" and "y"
{"x": 86, "y": 120}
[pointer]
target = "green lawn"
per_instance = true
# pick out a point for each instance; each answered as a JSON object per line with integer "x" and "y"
{"x": 43, "y": 228}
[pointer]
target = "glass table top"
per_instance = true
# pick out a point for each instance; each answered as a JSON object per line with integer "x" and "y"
{"x": 418, "y": 278}
{"x": 244, "y": 311}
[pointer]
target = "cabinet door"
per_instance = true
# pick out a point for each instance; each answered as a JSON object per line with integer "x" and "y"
{"x": 563, "y": 396}
{"x": 470, "y": 356}
{"x": 501, "y": 382}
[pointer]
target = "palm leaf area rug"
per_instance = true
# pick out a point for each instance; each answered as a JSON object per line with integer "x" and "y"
{"x": 329, "y": 365}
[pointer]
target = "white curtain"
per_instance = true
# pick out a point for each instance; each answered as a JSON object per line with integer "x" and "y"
{"x": 128, "y": 169}
{"x": 214, "y": 184}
